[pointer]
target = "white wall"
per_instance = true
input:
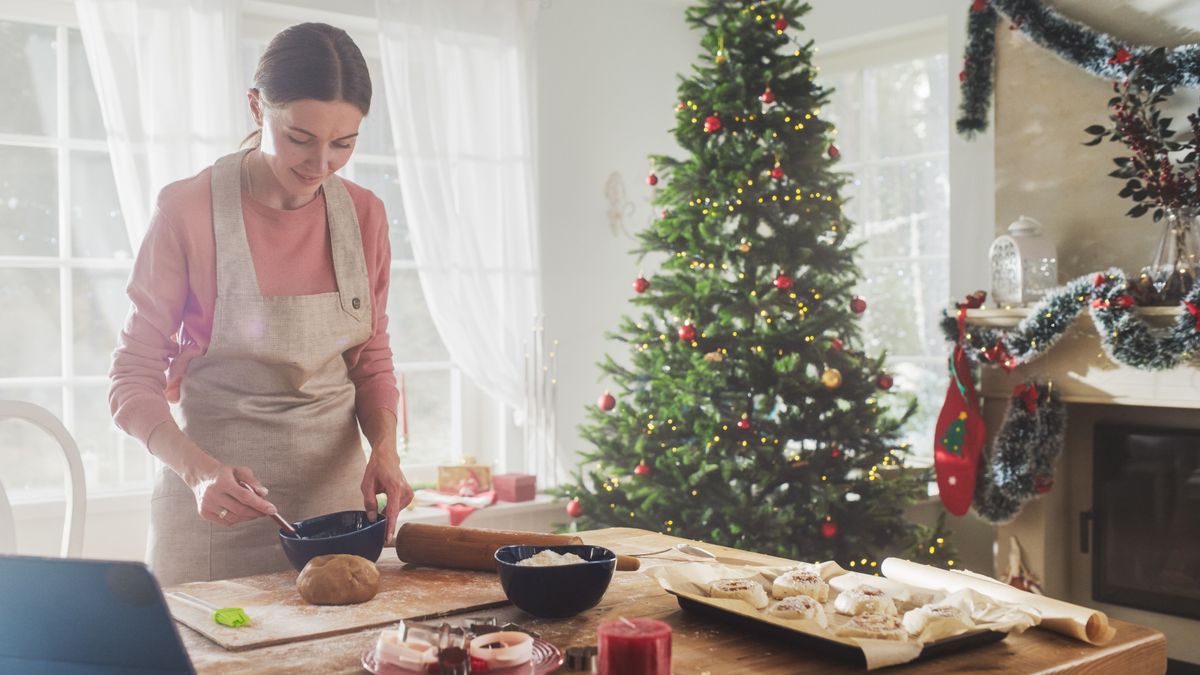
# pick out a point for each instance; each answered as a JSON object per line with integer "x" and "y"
{"x": 607, "y": 82}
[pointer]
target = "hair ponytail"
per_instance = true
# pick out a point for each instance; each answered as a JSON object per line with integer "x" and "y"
{"x": 252, "y": 141}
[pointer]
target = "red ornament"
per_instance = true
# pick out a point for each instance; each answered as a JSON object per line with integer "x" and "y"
{"x": 834, "y": 153}
{"x": 1121, "y": 57}
{"x": 962, "y": 75}
{"x": 680, "y": 106}
{"x": 642, "y": 469}
{"x": 640, "y": 284}
{"x": 829, "y": 529}
{"x": 777, "y": 172}
{"x": 837, "y": 345}
{"x": 606, "y": 402}
{"x": 783, "y": 282}
{"x": 1099, "y": 303}
{"x": 663, "y": 213}
{"x": 1042, "y": 484}
{"x": 1124, "y": 301}
{"x": 978, "y": 5}
{"x": 651, "y": 180}
{"x": 835, "y": 452}
{"x": 744, "y": 423}
{"x": 767, "y": 96}
{"x": 858, "y": 305}
{"x": 687, "y": 332}
{"x": 973, "y": 300}
{"x": 712, "y": 124}
{"x": 574, "y": 508}
{"x": 884, "y": 381}
{"x": 1099, "y": 280}
{"x": 781, "y": 24}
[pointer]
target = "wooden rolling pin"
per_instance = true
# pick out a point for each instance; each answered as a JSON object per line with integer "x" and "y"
{"x": 474, "y": 549}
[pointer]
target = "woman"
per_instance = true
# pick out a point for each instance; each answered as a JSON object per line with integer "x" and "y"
{"x": 259, "y": 304}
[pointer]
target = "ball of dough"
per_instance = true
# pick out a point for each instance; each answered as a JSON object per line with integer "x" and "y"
{"x": 338, "y": 579}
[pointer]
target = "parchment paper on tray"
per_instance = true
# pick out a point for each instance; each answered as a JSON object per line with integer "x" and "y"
{"x": 692, "y": 580}
{"x": 1081, "y": 623}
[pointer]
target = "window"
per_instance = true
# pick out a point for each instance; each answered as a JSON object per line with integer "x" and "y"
{"x": 890, "y": 108}
{"x": 65, "y": 259}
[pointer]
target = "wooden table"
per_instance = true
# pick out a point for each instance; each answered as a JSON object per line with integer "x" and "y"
{"x": 701, "y": 646}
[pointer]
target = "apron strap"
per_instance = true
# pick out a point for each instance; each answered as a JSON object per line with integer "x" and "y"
{"x": 235, "y": 266}
{"x": 349, "y": 261}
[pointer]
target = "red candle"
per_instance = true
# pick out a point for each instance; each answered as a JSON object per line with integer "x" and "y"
{"x": 634, "y": 647}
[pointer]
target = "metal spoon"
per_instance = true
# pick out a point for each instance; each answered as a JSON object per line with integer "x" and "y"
{"x": 283, "y": 522}
{"x": 685, "y": 548}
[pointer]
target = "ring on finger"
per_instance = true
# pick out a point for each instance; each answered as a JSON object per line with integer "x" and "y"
{"x": 223, "y": 513}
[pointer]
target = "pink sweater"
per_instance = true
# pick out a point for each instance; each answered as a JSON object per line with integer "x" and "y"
{"x": 173, "y": 289}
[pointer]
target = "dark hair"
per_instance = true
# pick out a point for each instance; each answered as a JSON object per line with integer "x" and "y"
{"x": 311, "y": 60}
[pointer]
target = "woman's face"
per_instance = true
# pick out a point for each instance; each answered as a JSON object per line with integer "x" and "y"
{"x": 305, "y": 141}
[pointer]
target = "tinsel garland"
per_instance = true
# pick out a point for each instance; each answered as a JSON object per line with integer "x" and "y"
{"x": 1098, "y": 53}
{"x": 1020, "y": 464}
{"x": 1126, "y": 337}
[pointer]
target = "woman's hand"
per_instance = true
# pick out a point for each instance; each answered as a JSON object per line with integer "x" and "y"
{"x": 383, "y": 472}
{"x": 384, "y": 475}
{"x": 221, "y": 499}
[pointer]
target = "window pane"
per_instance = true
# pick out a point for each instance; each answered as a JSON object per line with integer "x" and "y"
{"x": 413, "y": 335}
{"x": 110, "y": 458}
{"x": 97, "y": 228}
{"x": 383, "y": 182}
{"x": 27, "y": 60}
{"x": 901, "y": 208}
{"x": 428, "y": 395}
{"x": 905, "y": 301}
{"x": 28, "y": 201}
{"x": 100, "y": 305}
{"x": 86, "y": 121}
{"x": 30, "y": 335}
{"x": 927, "y": 382}
{"x": 30, "y": 457}
{"x": 376, "y": 134}
{"x": 912, "y": 113}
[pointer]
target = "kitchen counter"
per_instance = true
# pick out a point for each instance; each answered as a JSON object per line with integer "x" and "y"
{"x": 700, "y": 645}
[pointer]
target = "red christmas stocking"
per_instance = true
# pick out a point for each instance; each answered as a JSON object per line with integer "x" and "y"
{"x": 959, "y": 435}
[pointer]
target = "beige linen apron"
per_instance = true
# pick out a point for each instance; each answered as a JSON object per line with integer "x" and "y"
{"x": 272, "y": 393}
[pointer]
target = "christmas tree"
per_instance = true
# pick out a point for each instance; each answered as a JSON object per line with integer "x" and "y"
{"x": 748, "y": 416}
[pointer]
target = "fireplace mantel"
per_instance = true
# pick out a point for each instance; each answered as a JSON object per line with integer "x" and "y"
{"x": 1080, "y": 371}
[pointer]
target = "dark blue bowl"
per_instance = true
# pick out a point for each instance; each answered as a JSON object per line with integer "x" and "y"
{"x": 342, "y": 532}
{"x": 555, "y": 592}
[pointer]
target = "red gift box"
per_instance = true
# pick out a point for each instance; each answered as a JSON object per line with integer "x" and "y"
{"x": 514, "y": 487}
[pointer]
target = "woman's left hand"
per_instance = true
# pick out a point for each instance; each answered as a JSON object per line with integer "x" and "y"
{"x": 383, "y": 475}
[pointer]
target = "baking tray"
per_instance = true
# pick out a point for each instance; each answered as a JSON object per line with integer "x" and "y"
{"x": 825, "y": 646}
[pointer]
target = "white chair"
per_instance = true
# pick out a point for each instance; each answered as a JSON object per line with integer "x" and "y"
{"x": 76, "y": 493}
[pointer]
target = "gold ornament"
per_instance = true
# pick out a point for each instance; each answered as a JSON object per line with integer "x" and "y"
{"x": 831, "y": 378}
{"x": 714, "y": 357}
{"x": 744, "y": 247}
{"x": 720, "y": 58}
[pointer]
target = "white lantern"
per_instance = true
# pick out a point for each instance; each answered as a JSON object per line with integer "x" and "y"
{"x": 1024, "y": 264}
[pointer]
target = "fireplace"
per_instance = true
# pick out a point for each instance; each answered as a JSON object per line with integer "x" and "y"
{"x": 1145, "y": 519}
{"x": 1108, "y": 542}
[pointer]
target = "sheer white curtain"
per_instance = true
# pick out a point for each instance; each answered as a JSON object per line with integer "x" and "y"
{"x": 166, "y": 75}
{"x": 458, "y": 77}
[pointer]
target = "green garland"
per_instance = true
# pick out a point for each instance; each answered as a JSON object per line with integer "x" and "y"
{"x": 1127, "y": 339}
{"x": 1098, "y": 53}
